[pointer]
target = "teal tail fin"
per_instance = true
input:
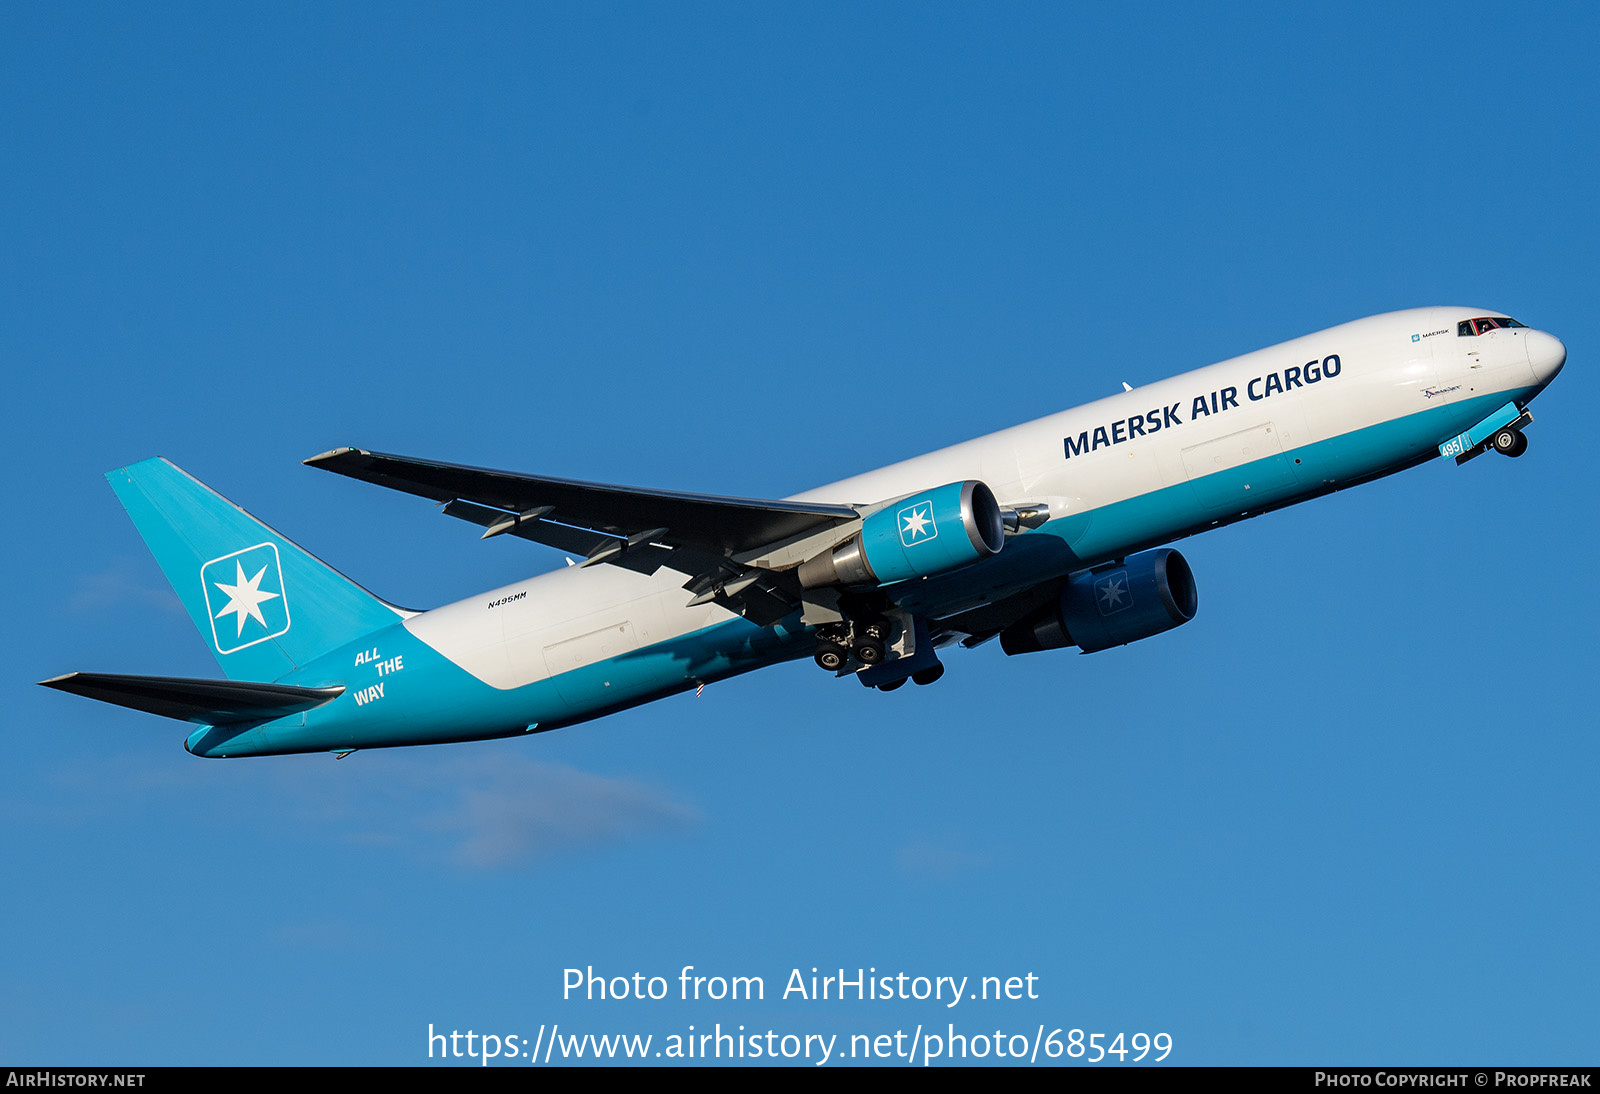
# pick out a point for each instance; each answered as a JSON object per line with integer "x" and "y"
{"x": 265, "y": 605}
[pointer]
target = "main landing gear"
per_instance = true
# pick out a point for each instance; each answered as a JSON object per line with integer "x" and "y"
{"x": 867, "y": 642}
{"x": 831, "y": 656}
{"x": 883, "y": 657}
{"x": 1510, "y": 442}
{"x": 921, "y": 678}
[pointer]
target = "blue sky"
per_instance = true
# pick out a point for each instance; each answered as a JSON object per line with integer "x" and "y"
{"x": 1345, "y": 816}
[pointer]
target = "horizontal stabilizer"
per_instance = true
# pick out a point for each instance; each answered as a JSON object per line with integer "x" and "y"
{"x": 208, "y": 702}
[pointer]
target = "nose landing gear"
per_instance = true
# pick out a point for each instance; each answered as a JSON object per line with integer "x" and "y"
{"x": 1510, "y": 442}
{"x": 1501, "y": 431}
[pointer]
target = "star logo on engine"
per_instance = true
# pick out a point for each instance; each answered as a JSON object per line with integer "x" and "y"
{"x": 917, "y": 523}
{"x": 1112, "y": 594}
{"x": 245, "y": 597}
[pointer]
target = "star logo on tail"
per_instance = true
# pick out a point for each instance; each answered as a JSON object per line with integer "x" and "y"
{"x": 245, "y": 597}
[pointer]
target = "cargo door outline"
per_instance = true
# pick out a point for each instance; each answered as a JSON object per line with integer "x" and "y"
{"x": 568, "y": 662}
{"x": 1240, "y": 471}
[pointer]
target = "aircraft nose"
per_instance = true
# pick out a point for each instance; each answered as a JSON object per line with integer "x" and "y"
{"x": 1546, "y": 353}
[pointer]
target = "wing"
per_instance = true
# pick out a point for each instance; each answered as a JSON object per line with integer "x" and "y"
{"x": 737, "y": 551}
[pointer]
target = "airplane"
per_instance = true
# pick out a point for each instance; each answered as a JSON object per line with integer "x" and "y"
{"x": 1048, "y": 535}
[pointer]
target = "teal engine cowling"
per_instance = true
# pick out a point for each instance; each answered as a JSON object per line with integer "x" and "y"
{"x": 1150, "y": 592}
{"x": 922, "y": 534}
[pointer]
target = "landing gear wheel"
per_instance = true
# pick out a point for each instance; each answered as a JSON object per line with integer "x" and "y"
{"x": 928, "y": 675}
{"x": 869, "y": 651}
{"x": 877, "y": 630}
{"x": 830, "y": 657}
{"x": 891, "y": 685}
{"x": 1510, "y": 442}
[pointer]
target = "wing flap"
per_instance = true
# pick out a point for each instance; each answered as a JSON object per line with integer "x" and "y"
{"x": 563, "y": 537}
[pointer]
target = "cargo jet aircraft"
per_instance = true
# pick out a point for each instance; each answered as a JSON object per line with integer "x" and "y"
{"x": 1047, "y": 535}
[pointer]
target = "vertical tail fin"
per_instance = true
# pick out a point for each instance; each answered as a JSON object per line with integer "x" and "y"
{"x": 265, "y": 605}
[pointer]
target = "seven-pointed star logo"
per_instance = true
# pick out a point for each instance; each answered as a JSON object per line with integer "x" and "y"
{"x": 255, "y": 598}
{"x": 1112, "y": 591}
{"x": 245, "y": 597}
{"x": 917, "y": 522}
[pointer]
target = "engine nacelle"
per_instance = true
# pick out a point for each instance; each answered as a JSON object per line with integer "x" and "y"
{"x": 1151, "y": 592}
{"x": 924, "y": 534}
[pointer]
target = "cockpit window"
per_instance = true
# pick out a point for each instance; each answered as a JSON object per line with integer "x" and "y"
{"x": 1473, "y": 327}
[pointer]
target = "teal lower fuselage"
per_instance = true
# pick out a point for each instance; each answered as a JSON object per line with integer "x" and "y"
{"x": 400, "y": 690}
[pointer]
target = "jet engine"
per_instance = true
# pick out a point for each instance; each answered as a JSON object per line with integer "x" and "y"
{"x": 922, "y": 534}
{"x": 1149, "y": 593}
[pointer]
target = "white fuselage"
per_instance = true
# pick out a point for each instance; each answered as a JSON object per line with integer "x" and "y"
{"x": 1302, "y": 417}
